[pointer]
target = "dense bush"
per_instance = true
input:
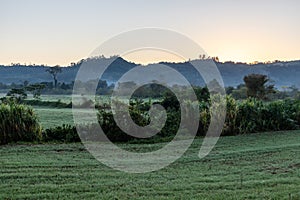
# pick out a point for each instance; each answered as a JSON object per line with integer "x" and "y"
{"x": 64, "y": 133}
{"x": 252, "y": 115}
{"x": 140, "y": 116}
{"x": 18, "y": 123}
{"x": 110, "y": 128}
{"x": 247, "y": 116}
{"x": 256, "y": 116}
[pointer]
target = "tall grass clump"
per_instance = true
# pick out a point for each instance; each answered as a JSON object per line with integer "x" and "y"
{"x": 253, "y": 115}
{"x": 257, "y": 116}
{"x": 18, "y": 123}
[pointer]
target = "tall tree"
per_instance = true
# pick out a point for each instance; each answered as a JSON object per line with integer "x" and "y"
{"x": 257, "y": 87}
{"x": 54, "y": 71}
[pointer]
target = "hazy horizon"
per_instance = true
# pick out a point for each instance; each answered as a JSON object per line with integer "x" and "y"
{"x": 145, "y": 63}
{"x": 58, "y": 33}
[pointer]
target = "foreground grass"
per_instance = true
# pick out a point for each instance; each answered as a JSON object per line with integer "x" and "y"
{"x": 255, "y": 166}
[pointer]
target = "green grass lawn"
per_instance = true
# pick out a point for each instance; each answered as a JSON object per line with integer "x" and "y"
{"x": 254, "y": 166}
{"x": 52, "y": 117}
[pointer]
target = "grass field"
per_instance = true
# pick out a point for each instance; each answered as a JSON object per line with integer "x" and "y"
{"x": 68, "y": 98}
{"x": 254, "y": 166}
{"x": 52, "y": 117}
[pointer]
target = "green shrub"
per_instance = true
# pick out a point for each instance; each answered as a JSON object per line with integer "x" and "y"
{"x": 110, "y": 128}
{"x": 252, "y": 115}
{"x": 170, "y": 101}
{"x": 279, "y": 115}
{"x": 247, "y": 116}
{"x": 204, "y": 118}
{"x": 139, "y": 112}
{"x": 64, "y": 133}
{"x": 230, "y": 125}
{"x": 256, "y": 116}
{"x": 18, "y": 123}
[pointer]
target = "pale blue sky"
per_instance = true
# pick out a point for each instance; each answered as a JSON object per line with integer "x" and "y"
{"x": 60, "y": 32}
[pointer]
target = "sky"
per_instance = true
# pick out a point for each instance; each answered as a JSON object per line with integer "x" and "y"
{"x": 58, "y": 32}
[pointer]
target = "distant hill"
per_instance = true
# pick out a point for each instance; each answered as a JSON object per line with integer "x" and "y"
{"x": 282, "y": 73}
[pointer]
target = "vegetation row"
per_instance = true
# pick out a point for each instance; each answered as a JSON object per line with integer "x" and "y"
{"x": 20, "y": 123}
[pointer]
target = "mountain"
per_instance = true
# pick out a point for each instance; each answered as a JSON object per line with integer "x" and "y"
{"x": 280, "y": 73}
